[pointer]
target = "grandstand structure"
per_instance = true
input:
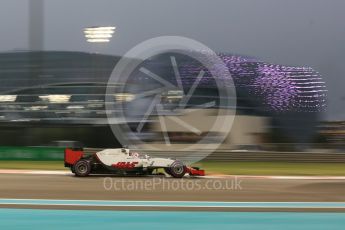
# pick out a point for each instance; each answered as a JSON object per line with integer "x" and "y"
{"x": 51, "y": 96}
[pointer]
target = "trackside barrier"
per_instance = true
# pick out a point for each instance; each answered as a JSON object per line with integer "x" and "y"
{"x": 32, "y": 153}
{"x": 57, "y": 153}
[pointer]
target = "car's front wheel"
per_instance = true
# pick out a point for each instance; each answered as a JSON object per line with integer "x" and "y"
{"x": 82, "y": 168}
{"x": 177, "y": 169}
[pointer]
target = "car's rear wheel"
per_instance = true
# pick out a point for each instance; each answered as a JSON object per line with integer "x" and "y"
{"x": 177, "y": 169}
{"x": 82, "y": 168}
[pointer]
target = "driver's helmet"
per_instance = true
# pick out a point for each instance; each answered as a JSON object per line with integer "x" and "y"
{"x": 134, "y": 154}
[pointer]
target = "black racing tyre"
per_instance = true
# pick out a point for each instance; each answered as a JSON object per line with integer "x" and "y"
{"x": 82, "y": 168}
{"x": 177, "y": 169}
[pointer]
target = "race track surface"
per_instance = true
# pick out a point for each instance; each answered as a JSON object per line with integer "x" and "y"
{"x": 230, "y": 189}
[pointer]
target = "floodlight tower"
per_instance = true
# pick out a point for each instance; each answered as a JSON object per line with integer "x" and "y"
{"x": 99, "y": 34}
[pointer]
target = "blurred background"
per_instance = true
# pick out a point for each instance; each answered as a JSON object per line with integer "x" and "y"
{"x": 285, "y": 58}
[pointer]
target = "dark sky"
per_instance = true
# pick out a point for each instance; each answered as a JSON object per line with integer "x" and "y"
{"x": 290, "y": 32}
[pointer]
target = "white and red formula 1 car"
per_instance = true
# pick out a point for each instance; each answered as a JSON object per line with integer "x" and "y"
{"x": 122, "y": 161}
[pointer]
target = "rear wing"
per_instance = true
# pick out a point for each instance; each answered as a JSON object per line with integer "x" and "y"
{"x": 72, "y": 155}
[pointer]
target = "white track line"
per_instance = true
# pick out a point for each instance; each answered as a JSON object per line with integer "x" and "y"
{"x": 278, "y": 177}
{"x": 177, "y": 204}
{"x": 64, "y": 172}
{"x": 34, "y": 172}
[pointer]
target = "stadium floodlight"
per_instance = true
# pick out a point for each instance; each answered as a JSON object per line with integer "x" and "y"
{"x": 58, "y": 98}
{"x": 99, "y": 34}
{"x": 8, "y": 98}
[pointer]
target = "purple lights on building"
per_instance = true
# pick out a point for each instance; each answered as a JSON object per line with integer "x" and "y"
{"x": 289, "y": 88}
{"x": 275, "y": 87}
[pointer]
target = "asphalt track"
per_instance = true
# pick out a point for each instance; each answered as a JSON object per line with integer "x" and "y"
{"x": 229, "y": 189}
{"x": 55, "y": 200}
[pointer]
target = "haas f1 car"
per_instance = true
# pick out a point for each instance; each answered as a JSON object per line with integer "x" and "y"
{"x": 122, "y": 161}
